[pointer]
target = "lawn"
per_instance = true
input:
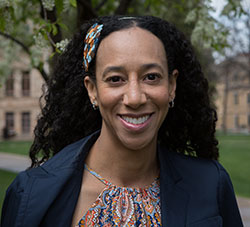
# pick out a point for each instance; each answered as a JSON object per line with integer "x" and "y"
{"x": 235, "y": 157}
{"x": 17, "y": 147}
{"x": 6, "y": 178}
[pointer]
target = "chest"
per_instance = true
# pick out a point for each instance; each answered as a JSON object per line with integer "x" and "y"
{"x": 179, "y": 205}
{"x": 90, "y": 190}
{"x": 103, "y": 203}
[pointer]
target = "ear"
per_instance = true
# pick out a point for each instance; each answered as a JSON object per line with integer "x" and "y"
{"x": 172, "y": 83}
{"x": 91, "y": 88}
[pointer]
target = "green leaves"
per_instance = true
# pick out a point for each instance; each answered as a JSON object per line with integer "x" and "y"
{"x": 191, "y": 16}
{"x": 233, "y": 9}
{"x": 63, "y": 26}
{"x": 54, "y": 29}
{"x": 2, "y": 21}
{"x": 73, "y": 3}
{"x": 22, "y": 20}
{"x": 59, "y": 6}
{"x": 207, "y": 31}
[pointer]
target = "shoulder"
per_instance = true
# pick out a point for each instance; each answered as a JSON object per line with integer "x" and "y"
{"x": 45, "y": 182}
{"x": 204, "y": 186}
{"x": 197, "y": 174}
{"x": 195, "y": 166}
{"x": 70, "y": 157}
{"x": 208, "y": 183}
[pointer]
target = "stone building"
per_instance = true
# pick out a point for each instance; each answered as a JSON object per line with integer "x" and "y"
{"x": 233, "y": 94}
{"x": 19, "y": 103}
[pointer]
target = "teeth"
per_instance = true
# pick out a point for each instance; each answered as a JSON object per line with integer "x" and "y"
{"x": 135, "y": 121}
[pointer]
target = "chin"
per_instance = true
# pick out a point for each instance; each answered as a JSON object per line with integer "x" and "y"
{"x": 137, "y": 143}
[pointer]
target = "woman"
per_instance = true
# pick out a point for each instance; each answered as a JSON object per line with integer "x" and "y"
{"x": 132, "y": 88}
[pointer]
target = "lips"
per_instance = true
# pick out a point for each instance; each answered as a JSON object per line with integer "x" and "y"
{"x": 136, "y": 120}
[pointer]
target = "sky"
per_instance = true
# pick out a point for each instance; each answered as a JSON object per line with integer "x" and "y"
{"x": 218, "y": 5}
{"x": 243, "y": 35}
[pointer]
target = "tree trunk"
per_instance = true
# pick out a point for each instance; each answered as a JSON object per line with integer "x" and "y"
{"x": 85, "y": 11}
{"x": 225, "y": 101}
{"x": 50, "y": 15}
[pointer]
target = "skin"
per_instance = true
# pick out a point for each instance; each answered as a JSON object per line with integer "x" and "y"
{"x": 131, "y": 81}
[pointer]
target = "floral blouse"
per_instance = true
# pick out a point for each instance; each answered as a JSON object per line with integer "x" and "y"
{"x": 124, "y": 206}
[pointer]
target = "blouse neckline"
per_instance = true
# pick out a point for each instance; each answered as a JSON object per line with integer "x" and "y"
{"x": 110, "y": 184}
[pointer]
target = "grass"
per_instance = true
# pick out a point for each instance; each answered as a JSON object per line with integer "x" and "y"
{"x": 6, "y": 178}
{"x": 15, "y": 147}
{"x": 235, "y": 157}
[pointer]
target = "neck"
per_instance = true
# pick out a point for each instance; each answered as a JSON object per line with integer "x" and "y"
{"x": 123, "y": 166}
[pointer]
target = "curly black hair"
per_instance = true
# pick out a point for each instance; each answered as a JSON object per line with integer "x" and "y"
{"x": 67, "y": 114}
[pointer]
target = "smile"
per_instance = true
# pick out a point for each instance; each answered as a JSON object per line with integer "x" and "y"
{"x": 136, "y": 121}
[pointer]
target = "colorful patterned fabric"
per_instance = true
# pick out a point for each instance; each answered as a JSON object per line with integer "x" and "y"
{"x": 122, "y": 206}
{"x": 91, "y": 41}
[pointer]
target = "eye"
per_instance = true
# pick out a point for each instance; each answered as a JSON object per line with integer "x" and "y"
{"x": 114, "y": 79}
{"x": 152, "y": 76}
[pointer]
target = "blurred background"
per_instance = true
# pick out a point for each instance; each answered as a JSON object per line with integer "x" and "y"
{"x": 33, "y": 33}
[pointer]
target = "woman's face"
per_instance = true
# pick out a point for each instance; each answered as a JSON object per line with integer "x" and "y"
{"x": 132, "y": 87}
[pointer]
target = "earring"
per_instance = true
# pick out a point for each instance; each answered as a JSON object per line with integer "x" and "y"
{"x": 171, "y": 104}
{"x": 94, "y": 105}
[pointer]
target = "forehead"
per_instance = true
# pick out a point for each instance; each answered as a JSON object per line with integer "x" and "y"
{"x": 131, "y": 45}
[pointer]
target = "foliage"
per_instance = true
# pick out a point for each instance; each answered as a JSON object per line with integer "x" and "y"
{"x": 41, "y": 28}
{"x": 27, "y": 25}
{"x": 239, "y": 27}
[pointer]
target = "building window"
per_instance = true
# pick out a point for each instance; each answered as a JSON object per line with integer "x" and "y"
{"x": 248, "y": 98}
{"x": 236, "y": 99}
{"x": 8, "y": 130}
{"x": 26, "y": 83}
{"x": 236, "y": 121}
{"x": 248, "y": 119}
{"x": 9, "y": 88}
{"x": 9, "y": 120}
{"x": 25, "y": 122}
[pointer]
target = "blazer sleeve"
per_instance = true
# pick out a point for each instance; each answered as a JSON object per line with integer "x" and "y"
{"x": 12, "y": 210}
{"x": 227, "y": 202}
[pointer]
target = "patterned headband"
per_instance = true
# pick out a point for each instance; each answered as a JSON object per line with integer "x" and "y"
{"x": 91, "y": 41}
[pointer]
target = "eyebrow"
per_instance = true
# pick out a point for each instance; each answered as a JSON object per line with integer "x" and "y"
{"x": 152, "y": 65}
{"x": 144, "y": 67}
{"x": 113, "y": 69}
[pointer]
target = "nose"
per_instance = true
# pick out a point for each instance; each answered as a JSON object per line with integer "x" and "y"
{"x": 134, "y": 96}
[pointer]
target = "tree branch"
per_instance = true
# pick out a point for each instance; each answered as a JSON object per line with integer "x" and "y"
{"x": 123, "y": 7}
{"x": 25, "y": 48}
{"x": 48, "y": 34}
{"x": 85, "y": 11}
{"x": 51, "y": 16}
{"x": 44, "y": 74}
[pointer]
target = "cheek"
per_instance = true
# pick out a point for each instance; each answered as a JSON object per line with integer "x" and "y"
{"x": 160, "y": 96}
{"x": 108, "y": 98}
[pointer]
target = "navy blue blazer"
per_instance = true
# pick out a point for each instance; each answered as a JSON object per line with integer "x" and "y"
{"x": 194, "y": 192}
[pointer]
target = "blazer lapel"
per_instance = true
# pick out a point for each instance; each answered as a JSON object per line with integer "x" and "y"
{"x": 56, "y": 186}
{"x": 174, "y": 200}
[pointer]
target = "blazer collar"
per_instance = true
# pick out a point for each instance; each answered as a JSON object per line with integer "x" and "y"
{"x": 174, "y": 199}
{"x": 72, "y": 156}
